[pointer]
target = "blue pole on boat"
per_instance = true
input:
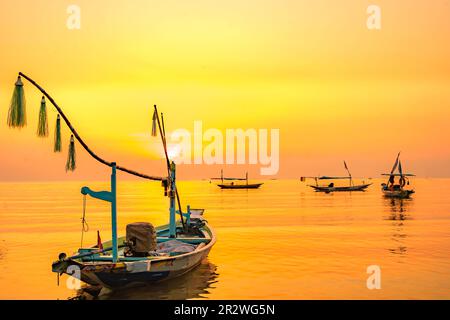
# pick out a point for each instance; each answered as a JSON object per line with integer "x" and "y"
{"x": 113, "y": 212}
{"x": 172, "y": 221}
{"x": 109, "y": 196}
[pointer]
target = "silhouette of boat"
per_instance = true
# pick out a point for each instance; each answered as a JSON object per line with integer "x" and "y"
{"x": 396, "y": 189}
{"x": 332, "y": 188}
{"x": 234, "y": 185}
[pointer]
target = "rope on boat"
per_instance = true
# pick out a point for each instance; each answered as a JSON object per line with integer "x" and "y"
{"x": 108, "y": 163}
{"x": 83, "y": 144}
{"x": 84, "y": 224}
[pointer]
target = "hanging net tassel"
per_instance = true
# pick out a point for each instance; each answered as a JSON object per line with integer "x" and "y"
{"x": 70, "y": 165}
{"x": 17, "y": 115}
{"x": 57, "y": 146}
{"x": 155, "y": 115}
{"x": 42, "y": 130}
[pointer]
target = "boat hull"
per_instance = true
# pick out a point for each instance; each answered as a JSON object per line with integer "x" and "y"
{"x": 362, "y": 187}
{"x": 157, "y": 271}
{"x": 240, "y": 186}
{"x": 399, "y": 194}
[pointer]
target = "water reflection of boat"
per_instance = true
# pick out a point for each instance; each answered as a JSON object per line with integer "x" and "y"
{"x": 398, "y": 214}
{"x": 398, "y": 208}
{"x": 193, "y": 285}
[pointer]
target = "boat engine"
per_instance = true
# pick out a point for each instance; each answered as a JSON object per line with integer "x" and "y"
{"x": 140, "y": 239}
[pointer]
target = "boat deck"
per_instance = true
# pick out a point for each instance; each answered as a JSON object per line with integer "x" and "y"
{"x": 162, "y": 236}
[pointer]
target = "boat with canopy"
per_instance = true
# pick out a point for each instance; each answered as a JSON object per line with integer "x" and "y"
{"x": 396, "y": 188}
{"x": 331, "y": 187}
{"x": 145, "y": 253}
{"x": 234, "y": 185}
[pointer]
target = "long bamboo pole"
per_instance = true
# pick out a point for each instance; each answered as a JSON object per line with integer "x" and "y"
{"x": 349, "y": 174}
{"x": 83, "y": 144}
{"x": 162, "y": 132}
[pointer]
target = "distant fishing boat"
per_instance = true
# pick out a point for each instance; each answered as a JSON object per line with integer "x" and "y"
{"x": 393, "y": 189}
{"x": 234, "y": 185}
{"x": 331, "y": 186}
{"x": 145, "y": 253}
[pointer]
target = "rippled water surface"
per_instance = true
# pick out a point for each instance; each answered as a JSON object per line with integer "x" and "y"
{"x": 283, "y": 241}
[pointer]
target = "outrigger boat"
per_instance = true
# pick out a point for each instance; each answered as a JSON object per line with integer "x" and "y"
{"x": 332, "y": 188}
{"x": 233, "y": 185}
{"x": 391, "y": 189}
{"x": 145, "y": 253}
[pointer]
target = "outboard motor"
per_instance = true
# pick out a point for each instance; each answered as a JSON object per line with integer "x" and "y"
{"x": 141, "y": 239}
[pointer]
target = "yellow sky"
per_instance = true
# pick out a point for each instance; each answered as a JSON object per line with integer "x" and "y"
{"x": 335, "y": 89}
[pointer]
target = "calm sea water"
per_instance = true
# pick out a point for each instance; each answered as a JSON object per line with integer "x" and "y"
{"x": 283, "y": 241}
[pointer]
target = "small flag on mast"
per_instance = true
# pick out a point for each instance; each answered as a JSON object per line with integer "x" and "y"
{"x": 346, "y": 168}
{"x": 99, "y": 241}
{"x": 155, "y": 115}
{"x": 395, "y": 164}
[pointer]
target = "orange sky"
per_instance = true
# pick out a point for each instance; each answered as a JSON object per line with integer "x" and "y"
{"x": 335, "y": 89}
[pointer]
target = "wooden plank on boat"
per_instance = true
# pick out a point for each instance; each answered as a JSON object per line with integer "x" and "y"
{"x": 190, "y": 240}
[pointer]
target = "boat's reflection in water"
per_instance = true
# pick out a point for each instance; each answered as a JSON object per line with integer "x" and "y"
{"x": 398, "y": 214}
{"x": 195, "y": 284}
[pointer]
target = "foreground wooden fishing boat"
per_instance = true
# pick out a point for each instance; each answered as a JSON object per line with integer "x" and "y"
{"x": 146, "y": 253}
{"x": 234, "y": 185}
{"x": 97, "y": 267}
{"x": 396, "y": 189}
